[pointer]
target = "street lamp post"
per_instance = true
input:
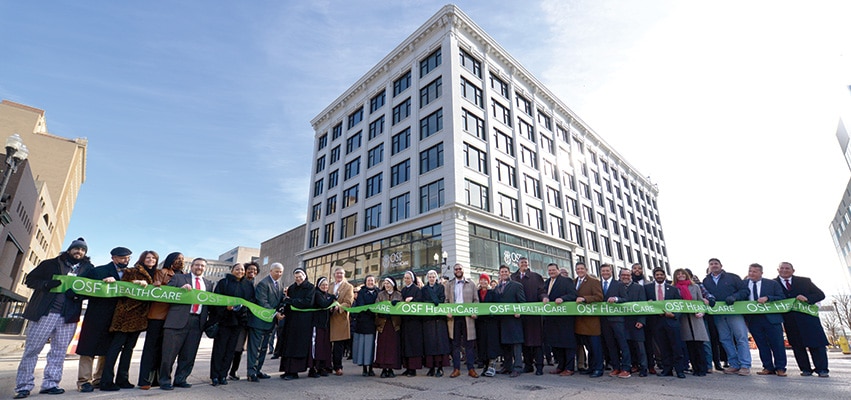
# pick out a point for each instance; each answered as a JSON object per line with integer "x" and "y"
{"x": 16, "y": 153}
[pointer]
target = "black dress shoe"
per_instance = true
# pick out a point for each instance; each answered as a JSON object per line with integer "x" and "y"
{"x": 87, "y": 388}
{"x": 584, "y": 371}
{"x": 312, "y": 373}
{"x": 289, "y": 377}
{"x": 233, "y": 376}
{"x": 430, "y": 372}
{"x": 275, "y": 357}
{"x": 215, "y": 382}
{"x": 184, "y": 385}
{"x": 109, "y": 387}
{"x": 504, "y": 371}
{"x": 253, "y": 378}
{"x": 371, "y": 372}
{"x": 391, "y": 373}
{"x": 665, "y": 373}
{"x": 263, "y": 375}
{"x": 528, "y": 369}
{"x": 23, "y": 394}
{"x": 643, "y": 373}
{"x": 223, "y": 381}
{"x": 437, "y": 374}
{"x": 125, "y": 385}
{"x": 681, "y": 375}
{"x": 596, "y": 374}
{"x": 539, "y": 372}
{"x": 53, "y": 390}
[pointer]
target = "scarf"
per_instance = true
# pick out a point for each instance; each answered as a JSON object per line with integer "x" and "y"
{"x": 684, "y": 292}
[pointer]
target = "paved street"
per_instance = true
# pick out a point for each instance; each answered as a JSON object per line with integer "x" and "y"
{"x": 527, "y": 386}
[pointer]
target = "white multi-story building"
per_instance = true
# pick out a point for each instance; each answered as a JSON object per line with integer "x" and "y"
{"x": 449, "y": 147}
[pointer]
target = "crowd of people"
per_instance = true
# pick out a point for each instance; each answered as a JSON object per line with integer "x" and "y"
{"x": 313, "y": 327}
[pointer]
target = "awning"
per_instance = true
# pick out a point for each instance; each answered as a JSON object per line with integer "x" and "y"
{"x": 7, "y": 296}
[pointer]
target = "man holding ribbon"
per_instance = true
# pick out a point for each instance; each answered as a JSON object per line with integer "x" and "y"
{"x": 804, "y": 331}
{"x": 268, "y": 294}
{"x": 766, "y": 329}
{"x": 732, "y": 329}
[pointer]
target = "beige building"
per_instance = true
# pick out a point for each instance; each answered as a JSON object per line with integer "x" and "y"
{"x": 58, "y": 169}
{"x": 284, "y": 249}
{"x": 240, "y": 254}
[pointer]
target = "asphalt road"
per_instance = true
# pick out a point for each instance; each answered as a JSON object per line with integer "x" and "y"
{"x": 527, "y": 386}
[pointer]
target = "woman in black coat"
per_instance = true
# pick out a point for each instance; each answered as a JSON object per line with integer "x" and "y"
{"x": 363, "y": 338}
{"x": 298, "y": 329}
{"x": 436, "y": 344}
{"x": 487, "y": 329}
{"x": 231, "y": 320}
{"x": 412, "y": 328}
{"x": 321, "y": 363}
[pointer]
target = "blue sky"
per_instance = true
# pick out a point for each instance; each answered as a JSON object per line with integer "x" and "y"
{"x": 197, "y": 113}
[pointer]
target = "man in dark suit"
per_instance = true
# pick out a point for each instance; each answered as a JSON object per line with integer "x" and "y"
{"x": 766, "y": 329}
{"x": 94, "y": 334}
{"x": 804, "y": 331}
{"x": 559, "y": 331}
{"x": 666, "y": 327}
{"x": 533, "y": 289}
{"x": 510, "y": 326}
{"x": 269, "y": 294}
{"x": 634, "y": 324}
{"x": 183, "y": 327}
{"x": 612, "y": 328}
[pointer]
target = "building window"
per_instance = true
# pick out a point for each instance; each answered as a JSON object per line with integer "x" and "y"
{"x": 473, "y": 124}
{"x": 545, "y": 120}
{"x": 377, "y": 102}
{"x": 320, "y": 164}
{"x": 352, "y": 169}
{"x": 431, "y": 158}
{"x": 507, "y": 208}
{"x": 535, "y": 218}
{"x": 355, "y": 118}
{"x": 472, "y": 92}
{"x": 470, "y": 63}
{"x": 526, "y": 129}
{"x": 501, "y": 113}
{"x": 562, "y": 133}
{"x": 402, "y": 83}
{"x": 331, "y": 205}
{"x": 477, "y": 195}
{"x": 589, "y": 215}
{"x": 337, "y": 131}
{"x": 402, "y": 111}
{"x": 349, "y": 226}
{"x": 431, "y": 196}
{"x": 314, "y": 238}
{"x": 316, "y": 212}
{"x": 547, "y": 144}
{"x": 576, "y": 234}
{"x": 350, "y": 196}
{"x": 531, "y": 186}
{"x": 353, "y": 142}
{"x": 504, "y": 142}
{"x": 506, "y": 174}
{"x": 431, "y": 92}
{"x": 333, "y": 177}
{"x": 430, "y": 63}
{"x": 317, "y": 188}
{"x": 592, "y": 241}
{"x": 401, "y": 141}
{"x": 400, "y": 172}
{"x": 523, "y": 104}
{"x": 376, "y": 127}
{"x": 329, "y": 233}
{"x": 372, "y": 218}
{"x": 572, "y": 205}
{"x": 399, "y": 207}
{"x": 527, "y": 156}
{"x": 556, "y": 226}
{"x": 322, "y": 142}
{"x": 553, "y": 197}
{"x": 431, "y": 124}
{"x": 499, "y": 85}
{"x": 335, "y": 154}
{"x": 475, "y": 159}
{"x": 373, "y": 185}
{"x": 375, "y": 155}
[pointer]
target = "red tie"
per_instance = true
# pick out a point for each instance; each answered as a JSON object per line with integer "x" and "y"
{"x": 196, "y": 307}
{"x": 788, "y": 285}
{"x": 659, "y": 294}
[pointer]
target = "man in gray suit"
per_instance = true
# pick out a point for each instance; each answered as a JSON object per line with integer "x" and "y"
{"x": 268, "y": 294}
{"x": 183, "y": 326}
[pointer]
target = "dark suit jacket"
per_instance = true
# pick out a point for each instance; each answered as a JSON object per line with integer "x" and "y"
{"x": 267, "y": 297}
{"x": 772, "y": 290}
{"x": 42, "y": 298}
{"x": 671, "y": 293}
{"x": 635, "y": 292}
{"x": 95, "y": 330}
{"x": 616, "y": 290}
{"x": 803, "y": 330}
{"x": 511, "y": 329}
{"x": 178, "y": 314}
{"x": 559, "y": 331}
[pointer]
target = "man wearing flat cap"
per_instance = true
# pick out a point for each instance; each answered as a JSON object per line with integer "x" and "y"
{"x": 94, "y": 334}
{"x": 52, "y": 316}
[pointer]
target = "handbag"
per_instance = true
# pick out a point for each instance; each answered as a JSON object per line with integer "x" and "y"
{"x": 212, "y": 330}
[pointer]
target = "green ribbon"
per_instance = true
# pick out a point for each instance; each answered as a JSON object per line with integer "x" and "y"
{"x": 593, "y": 309}
{"x": 164, "y": 294}
{"x": 169, "y": 294}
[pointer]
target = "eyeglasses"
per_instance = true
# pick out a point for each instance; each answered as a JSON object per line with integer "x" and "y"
{"x": 458, "y": 269}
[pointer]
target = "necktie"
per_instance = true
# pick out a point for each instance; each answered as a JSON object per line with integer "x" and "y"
{"x": 788, "y": 285}
{"x": 550, "y": 288}
{"x": 276, "y": 285}
{"x": 660, "y": 295}
{"x": 197, "y": 307}
{"x": 522, "y": 275}
{"x": 578, "y": 283}
{"x": 605, "y": 287}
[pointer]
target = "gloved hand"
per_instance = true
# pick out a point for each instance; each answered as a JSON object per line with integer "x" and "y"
{"x": 730, "y": 300}
{"x": 436, "y": 303}
{"x": 712, "y": 302}
{"x": 393, "y": 302}
{"x": 52, "y": 284}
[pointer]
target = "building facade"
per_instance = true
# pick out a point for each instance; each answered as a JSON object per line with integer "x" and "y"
{"x": 839, "y": 231}
{"x": 448, "y": 146}
{"x": 285, "y": 249}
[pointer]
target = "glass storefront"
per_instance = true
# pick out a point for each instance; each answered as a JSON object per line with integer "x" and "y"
{"x": 490, "y": 248}
{"x": 392, "y": 256}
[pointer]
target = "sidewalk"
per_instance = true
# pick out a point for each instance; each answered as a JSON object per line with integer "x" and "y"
{"x": 11, "y": 344}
